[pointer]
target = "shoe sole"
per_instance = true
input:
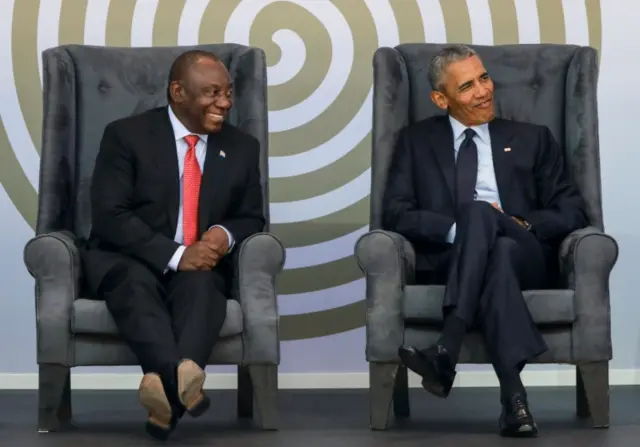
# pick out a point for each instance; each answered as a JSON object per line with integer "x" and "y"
{"x": 190, "y": 382}
{"x": 524, "y": 431}
{"x": 154, "y": 400}
{"x": 430, "y": 380}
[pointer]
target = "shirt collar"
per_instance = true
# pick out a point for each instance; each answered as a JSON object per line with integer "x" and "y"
{"x": 458, "y": 130}
{"x": 179, "y": 130}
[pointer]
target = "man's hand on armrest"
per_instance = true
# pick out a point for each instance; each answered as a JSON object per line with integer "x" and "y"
{"x": 201, "y": 255}
{"x": 230, "y": 239}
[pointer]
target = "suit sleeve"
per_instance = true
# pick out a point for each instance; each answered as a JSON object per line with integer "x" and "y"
{"x": 247, "y": 216}
{"x": 562, "y": 207}
{"x": 113, "y": 218}
{"x": 400, "y": 205}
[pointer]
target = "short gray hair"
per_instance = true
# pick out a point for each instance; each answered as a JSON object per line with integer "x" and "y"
{"x": 439, "y": 63}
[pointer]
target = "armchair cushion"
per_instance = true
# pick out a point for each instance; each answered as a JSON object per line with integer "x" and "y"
{"x": 90, "y": 316}
{"x": 423, "y": 305}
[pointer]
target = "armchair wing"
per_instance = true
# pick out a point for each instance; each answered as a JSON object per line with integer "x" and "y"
{"x": 53, "y": 260}
{"x": 587, "y": 257}
{"x": 258, "y": 261}
{"x": 388, "y": 262}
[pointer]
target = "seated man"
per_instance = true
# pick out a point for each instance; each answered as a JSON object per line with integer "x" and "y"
{"x": 174, "y": 190}
{"x": 485, "y": 201}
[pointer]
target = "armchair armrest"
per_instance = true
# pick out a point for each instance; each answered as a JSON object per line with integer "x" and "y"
{"x": 53, "y": 260}
{"x": 388, "y": 261}
{"x": 259, "y": 260}
{"x": 587, "y": 257}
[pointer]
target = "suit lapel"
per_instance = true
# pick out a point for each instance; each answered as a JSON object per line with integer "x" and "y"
{"x": 442, "y": 144}
{"x": 213, "y": 175}
{"x": 163, "y": 142}
{"x": 501, "y": 135}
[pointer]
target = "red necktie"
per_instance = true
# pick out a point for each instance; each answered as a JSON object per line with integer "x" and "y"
{"x": 190, "y": 191}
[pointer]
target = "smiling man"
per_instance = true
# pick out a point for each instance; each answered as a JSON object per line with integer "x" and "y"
{"x": 174, "y": 190}
{"x": 485, "y": 202}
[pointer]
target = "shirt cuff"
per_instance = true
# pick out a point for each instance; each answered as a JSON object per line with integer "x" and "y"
{"x": 451, "y": 235}
{"x": 232, "y": 242}
{"x": 175, "y": 259}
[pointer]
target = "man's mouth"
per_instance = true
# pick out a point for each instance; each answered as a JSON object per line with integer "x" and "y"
{"x": 215, "y": 117}
{"x": 484, "y": 104}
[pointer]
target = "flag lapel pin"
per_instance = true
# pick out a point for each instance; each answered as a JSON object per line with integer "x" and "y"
{"x": 222, "y": 154}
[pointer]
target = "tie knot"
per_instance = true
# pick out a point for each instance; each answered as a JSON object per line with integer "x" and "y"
{"x": 192, "y": 140}
{"x": 469, "y": 134}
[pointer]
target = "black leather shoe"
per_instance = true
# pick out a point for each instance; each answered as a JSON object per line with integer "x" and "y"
{"x": 516, "y": 421}
{"x": 434, "y": 366}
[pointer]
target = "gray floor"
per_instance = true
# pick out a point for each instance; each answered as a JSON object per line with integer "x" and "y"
{"x": 328, "y": 419}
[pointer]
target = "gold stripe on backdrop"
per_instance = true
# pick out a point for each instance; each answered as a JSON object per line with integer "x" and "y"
{"x": 323, "y": 180}
{"x": 409, "y": 21}
{"x": 505, "y": 21}
{"x": 325, "y": 228}
{"x": 167, "y": 22}
{"x": 457, "y": 21}
{"x": 71, "y": 23}
{"x": 214, "y": 22}
{"x": 318, "y": 277}
{"x": 352, "y": 96}
{"x": 24, "y": 53}
{"x": 594, "y": 18}
{"x": 119, "y": 20}
{"x": 551, "y": 19}
{"x": 318, "y": 54}
{"x": 323, "y": 323}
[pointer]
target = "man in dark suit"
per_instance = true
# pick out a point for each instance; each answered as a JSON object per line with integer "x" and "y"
{"x": 485, "y": 201}
{"x": 174, "y": 190}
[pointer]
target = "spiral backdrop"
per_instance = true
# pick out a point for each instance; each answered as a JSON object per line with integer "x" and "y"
{"x": 319, "y": 56}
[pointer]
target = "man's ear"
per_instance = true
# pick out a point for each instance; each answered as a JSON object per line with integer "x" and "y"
{"x": 439, "y": 99}
{"x": 177, "y": 92}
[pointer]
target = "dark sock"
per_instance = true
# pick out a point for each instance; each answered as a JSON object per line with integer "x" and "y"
{"x": 452, "y": 336}
{"x": 510, "y": 382}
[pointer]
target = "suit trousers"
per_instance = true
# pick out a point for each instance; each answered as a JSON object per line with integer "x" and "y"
{"x": 165, "y": 318}
{"x": 493, "y": 259}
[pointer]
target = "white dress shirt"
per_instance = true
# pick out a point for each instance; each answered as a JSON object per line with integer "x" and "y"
{"x": 486, "y": 185}
{"x": 201, "y": 152}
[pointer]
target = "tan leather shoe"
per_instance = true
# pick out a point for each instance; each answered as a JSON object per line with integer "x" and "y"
{"x": 154, "y": 399}
{"x": 190, "y": 382}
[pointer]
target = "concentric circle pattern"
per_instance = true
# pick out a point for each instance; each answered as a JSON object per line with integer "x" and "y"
{"x": 320, "y": 90}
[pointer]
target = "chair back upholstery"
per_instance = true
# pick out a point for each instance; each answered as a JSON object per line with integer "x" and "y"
{"x": 87, "y": 87}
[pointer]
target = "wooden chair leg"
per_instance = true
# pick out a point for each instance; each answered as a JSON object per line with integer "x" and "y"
{"x": 54, "y": 398}
{"x": 382, "y": 378}
{"x": 264, "y": 379}
{"x": 245, "y": 393}
{"x": 401, "y": 405}
{"x": 592, "y": 392}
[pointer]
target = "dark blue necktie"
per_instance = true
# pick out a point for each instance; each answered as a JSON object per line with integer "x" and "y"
{"x": 466, "y": 170}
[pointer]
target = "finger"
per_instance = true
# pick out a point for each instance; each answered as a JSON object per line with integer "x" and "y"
{"x": 206, "y": 264}
{"x": 211, "y": 257}
{"x": 211, "y": 245}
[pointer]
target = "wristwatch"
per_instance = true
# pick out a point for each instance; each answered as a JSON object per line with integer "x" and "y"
{"x": 525, "y": 224}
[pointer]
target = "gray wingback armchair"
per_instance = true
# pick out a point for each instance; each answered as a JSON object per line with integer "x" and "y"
{"x": 554, "y": 85}
{"x": 84, "y": 89}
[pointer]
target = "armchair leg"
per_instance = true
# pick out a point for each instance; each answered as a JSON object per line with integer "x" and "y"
{"x": 264, "y": 379}
{"x": 382, "y": 378}
{"x": 245, "y": 393}
{"x": 401, "y": 406}
{"x": 54, "y": 396}
{"x": 592, "y": 392}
